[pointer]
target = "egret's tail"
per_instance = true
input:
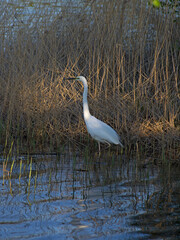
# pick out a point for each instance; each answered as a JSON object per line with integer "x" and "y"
{"x": 121, "y": 145}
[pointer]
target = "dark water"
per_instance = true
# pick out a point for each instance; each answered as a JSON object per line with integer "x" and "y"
{"x": 76, "y": 197}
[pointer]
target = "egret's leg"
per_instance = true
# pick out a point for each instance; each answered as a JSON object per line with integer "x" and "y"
{"x": 99, "y": 149}
{"x": 108, "y": 144}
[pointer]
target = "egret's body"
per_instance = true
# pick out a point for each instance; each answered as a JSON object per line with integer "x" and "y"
{"x": 98, "y": 130}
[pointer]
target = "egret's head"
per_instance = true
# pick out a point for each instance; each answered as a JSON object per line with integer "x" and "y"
{"x": 79, "y": 78}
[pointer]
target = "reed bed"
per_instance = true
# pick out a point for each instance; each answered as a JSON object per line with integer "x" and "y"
{"x": 127, "y": 50}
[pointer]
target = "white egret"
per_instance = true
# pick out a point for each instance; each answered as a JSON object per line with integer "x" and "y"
{"x": 98, "y": 130}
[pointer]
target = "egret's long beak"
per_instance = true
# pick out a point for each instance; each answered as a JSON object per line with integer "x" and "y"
{"x": 69, "y": 78}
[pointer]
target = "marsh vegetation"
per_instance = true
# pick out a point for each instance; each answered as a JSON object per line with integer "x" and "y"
{"x": 51, "y": 182}
{"x": 128, "y": 51}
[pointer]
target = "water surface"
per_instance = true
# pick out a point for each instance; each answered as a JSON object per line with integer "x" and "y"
{"x": 72, "y": 196}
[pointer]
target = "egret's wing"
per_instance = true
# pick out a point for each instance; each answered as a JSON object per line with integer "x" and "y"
{"x": 101, "y": 131}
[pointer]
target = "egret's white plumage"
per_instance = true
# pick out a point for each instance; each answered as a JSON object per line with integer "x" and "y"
{"x": 98, "y": 130}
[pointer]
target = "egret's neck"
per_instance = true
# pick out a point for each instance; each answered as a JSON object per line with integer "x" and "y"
{"x": 85, "y": 102}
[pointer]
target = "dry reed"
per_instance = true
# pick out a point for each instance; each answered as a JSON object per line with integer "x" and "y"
{"x": 128, "y": 52}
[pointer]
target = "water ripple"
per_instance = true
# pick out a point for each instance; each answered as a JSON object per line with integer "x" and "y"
{"x": 63, "y": 199}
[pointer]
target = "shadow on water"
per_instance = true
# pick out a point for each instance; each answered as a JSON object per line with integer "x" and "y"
{"x": 74, "y": 197}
